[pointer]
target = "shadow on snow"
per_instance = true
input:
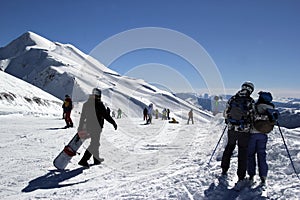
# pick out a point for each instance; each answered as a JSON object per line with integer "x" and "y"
{"x": 53, "y": 179}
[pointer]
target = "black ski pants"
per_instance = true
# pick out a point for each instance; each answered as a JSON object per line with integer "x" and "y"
{"x": 241, "y": 139}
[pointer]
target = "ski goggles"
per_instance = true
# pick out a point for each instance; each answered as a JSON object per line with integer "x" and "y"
{"x": 246, "y": 87}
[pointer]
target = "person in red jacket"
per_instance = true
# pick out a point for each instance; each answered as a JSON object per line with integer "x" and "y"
{"x": 67, "y": 107}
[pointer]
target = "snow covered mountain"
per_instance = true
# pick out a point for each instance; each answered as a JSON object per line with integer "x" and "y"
{"x": 61, "y": 69}
{"x": 19, "y": 97}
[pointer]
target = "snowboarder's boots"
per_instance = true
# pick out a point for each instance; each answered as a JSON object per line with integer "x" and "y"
{"x": 98, "y": 161}
{"x": 83, "y": 162}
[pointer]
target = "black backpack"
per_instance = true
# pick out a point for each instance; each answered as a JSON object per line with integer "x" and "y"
{"x": 266, "y": 115}
{"x": 239, "y": 110}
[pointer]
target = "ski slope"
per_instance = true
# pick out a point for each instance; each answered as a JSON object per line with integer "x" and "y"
{"x": 157, "y": 161}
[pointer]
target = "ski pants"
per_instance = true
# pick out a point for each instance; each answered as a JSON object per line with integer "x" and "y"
{"x": 257, "y": 146}
{"x": 242, "y": 139}
{"x": 68, "y": 119}
{"x": 93, "y": 148}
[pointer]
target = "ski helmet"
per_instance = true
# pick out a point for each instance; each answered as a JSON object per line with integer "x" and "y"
{"x": 248, "y": 86}
{"x": 96, "y": 92}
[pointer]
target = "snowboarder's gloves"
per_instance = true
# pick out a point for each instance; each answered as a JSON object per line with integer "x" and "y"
{"x": 115, "y": 126}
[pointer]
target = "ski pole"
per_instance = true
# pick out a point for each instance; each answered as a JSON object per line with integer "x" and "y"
{"x": 217, "y": 145}
{"x": 287, "y": 150}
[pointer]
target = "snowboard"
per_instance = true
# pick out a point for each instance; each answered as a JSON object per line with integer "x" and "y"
{"x": 70, "y": 150}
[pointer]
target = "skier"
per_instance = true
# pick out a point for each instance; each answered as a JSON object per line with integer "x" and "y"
{"x": 67, "y": 108}
{"x": 119, "y": 113}
{"x": 258, "y": 138}
{"x": 92, "y": 118}
{"x": 150, "y": 109}
{"x": 238, "y": 115}
{"x": 168, "y": 114}
{"x": 145, "y": 113}
{"x": 190, "y": 117}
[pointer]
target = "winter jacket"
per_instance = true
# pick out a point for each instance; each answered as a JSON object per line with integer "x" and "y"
{"x": 93, "y": 115}
{"x": 67, "y": 105}
{"x": 247, "y": 126}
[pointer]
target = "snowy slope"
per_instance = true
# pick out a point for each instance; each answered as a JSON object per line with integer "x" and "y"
{"x": 62, "y": 69}
{"x": 164, "y": 161}
{"x": 19, "y": 97}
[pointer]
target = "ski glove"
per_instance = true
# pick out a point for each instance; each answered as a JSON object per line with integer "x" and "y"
{"x": 115, "y": 126}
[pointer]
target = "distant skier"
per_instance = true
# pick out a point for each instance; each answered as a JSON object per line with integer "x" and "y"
{"x": 92, "y": 119}
{"x": 67, "y": 108}
{"x": 119, "y": 113}
{"x": 191, "y": 117}
{"x": 168, "y": 114}
{"x": 164, "y": 114}
{"x": 145, "y": 113}
{"x": 156, "y": 113}
{"x": 150, "y": 110}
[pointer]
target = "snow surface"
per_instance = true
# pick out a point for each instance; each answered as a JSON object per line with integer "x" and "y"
{"x": 157, "y": 161}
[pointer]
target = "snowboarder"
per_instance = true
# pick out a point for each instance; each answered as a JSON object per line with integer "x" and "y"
{"x": 92, "y": 119}
{"x": 145, "y": 113}
{"x": 258, "y": 138}
{"x": 156, "y": 113}
{"x": 173, "y": 121}
{"x": 238, "y": 116}
{"x": 67, "y": 108}
{"x": 190, "y": 117}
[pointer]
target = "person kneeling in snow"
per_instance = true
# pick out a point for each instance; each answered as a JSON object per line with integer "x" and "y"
{"x": 92, "y": 118}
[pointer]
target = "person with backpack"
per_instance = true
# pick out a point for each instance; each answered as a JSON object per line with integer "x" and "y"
{"x": 265, "y": 117}
{"x": 67, "y": 108}
{"x": 92, "y": 121}
{"x": 238, "y": 117}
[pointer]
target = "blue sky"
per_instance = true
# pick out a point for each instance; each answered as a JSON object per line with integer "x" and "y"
{"x": 255, "y": 40}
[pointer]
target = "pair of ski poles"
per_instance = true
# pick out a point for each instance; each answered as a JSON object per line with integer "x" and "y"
{"x": 287, "y": 150}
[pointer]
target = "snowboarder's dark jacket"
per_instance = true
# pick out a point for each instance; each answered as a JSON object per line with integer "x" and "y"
{"x": 93, "y": 115}
{"x": 67, "y": 105}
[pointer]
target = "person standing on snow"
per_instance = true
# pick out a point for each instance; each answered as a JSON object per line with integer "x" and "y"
{"x": 145, "y": 113}
{"x": 92, "y": 120}
{"x": 190, "y": 117}
{"x": 259, "y": 138}
{"x": 150, "y": 110}
{"x": 238, "y": 116}
{"x": 67, "y": 108}
{"x": 119, "y": 113}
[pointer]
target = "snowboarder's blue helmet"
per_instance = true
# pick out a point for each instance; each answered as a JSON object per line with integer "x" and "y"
{"x": 248, "y": 86}
{"x": 96, "y": 92}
